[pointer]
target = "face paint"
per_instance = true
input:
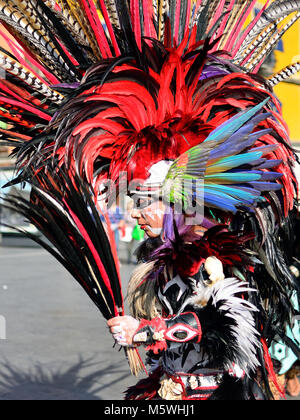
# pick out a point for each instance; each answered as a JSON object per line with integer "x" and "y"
{"x": 150, "y": 215}
{"x": 155, "y": 231}
{"x": 151, "y": 218}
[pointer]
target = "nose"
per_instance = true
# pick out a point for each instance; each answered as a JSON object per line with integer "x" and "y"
{"x": 136, "y": 214}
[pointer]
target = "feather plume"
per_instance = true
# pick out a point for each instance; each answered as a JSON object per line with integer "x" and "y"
{"x": 230, "y": 34}
{"x": 267, "y": 32}
{"x": 245, "y": 12}
{"x": 277, "y": 10}
{"x": 78, "y": 13}
{"x": 219, "y": 163}
{"x": 18, "y": 24}
{"x": 65, "y": 16}
{"x": 162, "y": 10}
{"x": 76, "y": 70}
{"x": 284, "y": 74}
{"x": 94, "y": 22}
{"x": 113, "y": 14}
{"x": 269, "y": 45}
{"x": 67, "y": 216}
{"x": 33, "y": 80}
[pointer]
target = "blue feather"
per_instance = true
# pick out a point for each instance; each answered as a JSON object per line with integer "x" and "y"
{"x": 236, "y": 193}
{"x": 271, "y": 176}
{"x": 235, "y": 123}
{"x": 239, "y": 177}
{"x": 269, "y": 164}
{"x": 266, "y": 186}
{"x": 266, "y": 149}
{"x": 244, "y": 187}
{"x": 236, "y": 144}
{"x": 238, "y": 160}
{"x": 211, "y": 200}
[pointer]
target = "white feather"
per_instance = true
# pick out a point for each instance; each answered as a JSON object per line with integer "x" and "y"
{"x": 241, "y": 311}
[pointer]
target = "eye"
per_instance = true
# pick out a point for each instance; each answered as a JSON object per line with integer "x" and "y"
{"x": 181, "y": 334}
{"x": 142, "y": 203}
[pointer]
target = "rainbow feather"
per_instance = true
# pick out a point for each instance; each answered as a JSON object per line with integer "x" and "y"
{"x": 223, "y": 169}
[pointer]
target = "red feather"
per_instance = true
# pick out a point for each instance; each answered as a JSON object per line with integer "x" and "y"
{"x": 135, "y": 13}
{"x": 270, "y": 368}
{"x": 92, "y": 15}
{"x": 109, "y": 27}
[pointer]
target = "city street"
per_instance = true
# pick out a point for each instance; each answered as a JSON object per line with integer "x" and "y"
{"x": 57, "y": 345}
{"x": 179, "y": 120}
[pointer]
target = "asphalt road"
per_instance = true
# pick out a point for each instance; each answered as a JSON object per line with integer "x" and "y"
{"x": 57, "y": 346}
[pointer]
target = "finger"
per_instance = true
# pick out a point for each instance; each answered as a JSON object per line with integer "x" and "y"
{"x": 121, "y": 340}
{"x": 113, "y": 322}
{"x": 117, "y": 330}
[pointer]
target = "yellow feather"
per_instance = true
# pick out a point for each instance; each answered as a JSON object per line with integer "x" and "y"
{"x": 79, "y": 15}
{"x": 161, "y": 18}
{"x": 235, "y": 15}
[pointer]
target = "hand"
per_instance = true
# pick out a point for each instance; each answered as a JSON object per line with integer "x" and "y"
{"x": 123, "y": 329}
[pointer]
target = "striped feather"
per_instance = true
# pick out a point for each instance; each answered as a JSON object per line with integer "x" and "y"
{"x": 241, "y": 58}
{"x": 236, "y": 29}
{"x": 109, "y": 27}
{"x": 112, "y": 12}
{"x": 162, "y": 10}
{"x": 31, "y": 79}
{"x": 260, "y": 55}
{"x": 18, "y": 24}
{"x": 277, "y": 10}
{"x": 68, "y": 20}
{"x": 230, "y": 34}
{"x": 284, "y": 74}
{"x": 79, "y": 14}
{"x": 96, "y": 26}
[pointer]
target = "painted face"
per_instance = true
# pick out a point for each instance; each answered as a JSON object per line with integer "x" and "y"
{"x": 150, "y": 218}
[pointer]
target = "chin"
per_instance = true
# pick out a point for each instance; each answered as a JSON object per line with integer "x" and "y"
{"x": 151, "y": 234}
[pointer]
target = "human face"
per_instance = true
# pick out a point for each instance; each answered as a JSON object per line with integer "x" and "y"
{"x": 150, "y": 218}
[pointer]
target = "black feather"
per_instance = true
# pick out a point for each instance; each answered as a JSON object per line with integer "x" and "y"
{"x": 52, "y": 213}
{"x": 63, "y": 34}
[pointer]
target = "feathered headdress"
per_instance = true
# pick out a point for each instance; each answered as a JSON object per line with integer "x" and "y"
{"x": 111, "y": 87}
{"x": 99, "y": 91}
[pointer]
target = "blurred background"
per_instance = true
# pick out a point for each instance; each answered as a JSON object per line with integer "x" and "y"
{"x": 53, "y": 342}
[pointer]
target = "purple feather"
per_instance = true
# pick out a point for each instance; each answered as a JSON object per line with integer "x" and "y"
{"x": 266, "y": 186}
{"x": 238, "y": 142}
{"x": 270, "y": 164}
{"x": 75, "y": 85}
{"x": 271, "y": 176}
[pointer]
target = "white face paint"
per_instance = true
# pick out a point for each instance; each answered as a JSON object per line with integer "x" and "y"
{"x": 151, "y": 217}
{"x": 155, "y": 231}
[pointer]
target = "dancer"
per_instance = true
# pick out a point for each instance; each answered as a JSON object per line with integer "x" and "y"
{"x": 162, "y": 100}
